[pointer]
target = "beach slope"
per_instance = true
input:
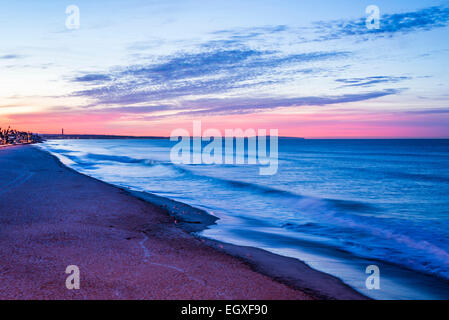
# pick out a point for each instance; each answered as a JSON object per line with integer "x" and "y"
{"x": 52, "y": 217}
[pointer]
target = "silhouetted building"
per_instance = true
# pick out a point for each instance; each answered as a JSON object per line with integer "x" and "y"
{"x": 11, "y": 136}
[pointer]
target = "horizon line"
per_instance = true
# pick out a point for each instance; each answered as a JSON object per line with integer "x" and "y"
{"x": 288, "y": 137}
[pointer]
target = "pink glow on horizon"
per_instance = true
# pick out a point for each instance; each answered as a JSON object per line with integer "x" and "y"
{"x": 311, "y": 125}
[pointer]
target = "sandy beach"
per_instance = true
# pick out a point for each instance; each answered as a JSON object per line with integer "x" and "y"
{"x": 126, "y": 248}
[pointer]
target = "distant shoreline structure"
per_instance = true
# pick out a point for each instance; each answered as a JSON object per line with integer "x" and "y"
{"x": 10, "y": 137}
{"x": 104, "y": 136}
{"x": 49, "y": 136}
{"x": 95, "y": 136}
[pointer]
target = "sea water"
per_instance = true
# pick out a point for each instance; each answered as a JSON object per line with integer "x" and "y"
{"x": 338, "y": 205}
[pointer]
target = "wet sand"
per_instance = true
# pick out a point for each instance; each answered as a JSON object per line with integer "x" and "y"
{"x": 126, "y": 248}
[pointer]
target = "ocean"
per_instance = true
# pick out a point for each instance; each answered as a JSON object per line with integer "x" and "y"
{"x": 337, "y": 205}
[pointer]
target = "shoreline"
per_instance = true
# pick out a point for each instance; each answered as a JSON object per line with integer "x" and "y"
{"x": 283, "y": 269}
{"x": 267, "y": 282}
{"x": 319, "y": 285}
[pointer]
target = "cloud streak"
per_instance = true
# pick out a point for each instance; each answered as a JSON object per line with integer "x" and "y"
{"x": 240, "y": 106}
{"x": 250, "y": 105}
{"x": 200, "y": 73}
{"x": 92, "y": 78}
{"x": 369, "y": 81}
{"x": 390, "y": 24}
{"x": 10, "y": 57}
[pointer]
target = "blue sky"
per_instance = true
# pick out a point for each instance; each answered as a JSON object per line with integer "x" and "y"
{"x": 135, "y": 65}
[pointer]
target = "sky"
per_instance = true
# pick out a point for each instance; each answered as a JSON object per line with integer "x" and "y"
{"x": 307, "y": 68}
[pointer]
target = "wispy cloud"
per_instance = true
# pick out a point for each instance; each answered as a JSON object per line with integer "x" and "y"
{"x": 421, "y": 20}
{"x": 429, "y": 111}
{"x": 92, "y": 78}
{"x": 200, "y": 73}
{"x": 241, "y": 36}
{"x": 10, "y": 57}
{"x": 229, "y": 106}
{"x": 250, "y": 105}
{"x": 252, "y": 32}
{"x": 370, "y": 81}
